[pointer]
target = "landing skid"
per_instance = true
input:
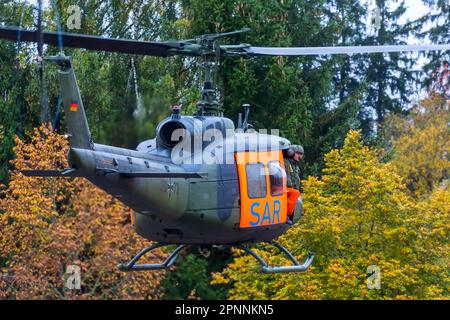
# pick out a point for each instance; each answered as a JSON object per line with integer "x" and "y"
{"x": 132, "y": 266}
{"x": 265, "y": 268}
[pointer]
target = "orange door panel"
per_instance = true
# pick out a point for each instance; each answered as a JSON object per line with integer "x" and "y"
{"x": 262, "y": 182}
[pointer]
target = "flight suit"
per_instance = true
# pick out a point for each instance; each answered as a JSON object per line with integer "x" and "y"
{"x": 293, "y": 184}
{"x": 292, "y": 168}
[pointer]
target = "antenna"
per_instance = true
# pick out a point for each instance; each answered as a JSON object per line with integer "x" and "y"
{"x": 45, "y": 112}
{"x": 246, "y": 113}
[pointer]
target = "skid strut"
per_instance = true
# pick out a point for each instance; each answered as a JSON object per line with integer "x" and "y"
{"x": 265, "y": 268}
{"x": 132, "y": 266}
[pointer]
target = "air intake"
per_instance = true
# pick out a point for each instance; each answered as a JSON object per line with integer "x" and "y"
{"x": 166, "y": 137}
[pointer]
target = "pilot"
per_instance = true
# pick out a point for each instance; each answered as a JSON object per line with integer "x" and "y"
{"x": 292, "y": 157}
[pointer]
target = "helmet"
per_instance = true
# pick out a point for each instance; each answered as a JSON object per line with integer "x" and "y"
{"x": 289, "y": 152}
{"x": 298, "y": 149}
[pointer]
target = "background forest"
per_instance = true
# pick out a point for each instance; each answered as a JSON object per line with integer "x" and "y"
{"x": 375, "y": 130}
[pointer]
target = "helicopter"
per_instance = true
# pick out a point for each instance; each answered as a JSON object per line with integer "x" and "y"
{"x": 201, "y": 181}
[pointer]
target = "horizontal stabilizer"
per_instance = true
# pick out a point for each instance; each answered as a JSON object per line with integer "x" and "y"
{"x": 50, "y": 173}
{"x": 185, "y": 175}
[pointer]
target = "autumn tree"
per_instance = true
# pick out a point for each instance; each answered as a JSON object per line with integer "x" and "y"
{"x": 50, "y": 223}
{"x": 357, "y": 214}
{"x": 420, "y": 144}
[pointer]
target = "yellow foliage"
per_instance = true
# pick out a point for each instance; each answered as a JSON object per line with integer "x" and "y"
{"x": 358, "y": 214}
{"x": 422, "y": 148}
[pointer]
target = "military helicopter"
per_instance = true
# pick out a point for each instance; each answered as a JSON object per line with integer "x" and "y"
{"x": 236, "y": 198}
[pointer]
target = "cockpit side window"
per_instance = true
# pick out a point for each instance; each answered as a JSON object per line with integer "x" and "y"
{"x": 275, "y": 178}
{"x": 256, "y": 180}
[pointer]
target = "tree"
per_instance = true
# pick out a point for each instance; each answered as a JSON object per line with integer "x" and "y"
{"x": 192, "y": 276}
{"x": 390, "y": 77}
{"x": 339, "y": 113}
{"x": 49, "y": 224}
{"x": 357, "y": 215}
{"x": 437, "y": 31}
{"x": 19, "y": 98}
{"x": 421, "y": 145}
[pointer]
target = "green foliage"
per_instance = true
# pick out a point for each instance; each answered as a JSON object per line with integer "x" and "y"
{"x": 389, "y": 77}
{"x": 192, "y": 276}
{"x": 438, "y": 32}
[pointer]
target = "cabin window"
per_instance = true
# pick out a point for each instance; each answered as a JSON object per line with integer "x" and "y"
{"x": 275, "y": 178}
{"x": 256, "y": 180}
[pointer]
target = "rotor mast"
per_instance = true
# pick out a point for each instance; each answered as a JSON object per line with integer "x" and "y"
{"x": 209, "y": 104}
{"x": 210, "y": 51}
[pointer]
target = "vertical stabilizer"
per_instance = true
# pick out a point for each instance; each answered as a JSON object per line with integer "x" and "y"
{"x": 77, "y": 125}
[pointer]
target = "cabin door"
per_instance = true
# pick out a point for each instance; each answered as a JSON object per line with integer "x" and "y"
{"x": 263, "y": 191}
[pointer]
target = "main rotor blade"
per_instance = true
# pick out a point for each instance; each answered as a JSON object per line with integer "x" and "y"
{"x": 305, "y": 51}
{"x": 73, "y": 40}
{"x": 163, "y": 49}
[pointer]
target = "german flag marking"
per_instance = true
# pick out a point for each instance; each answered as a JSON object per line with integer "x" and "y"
{"x": 74, "y": 107}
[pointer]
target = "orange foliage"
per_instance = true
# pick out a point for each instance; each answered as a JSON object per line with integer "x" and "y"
{"x": 49, "y": 223}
